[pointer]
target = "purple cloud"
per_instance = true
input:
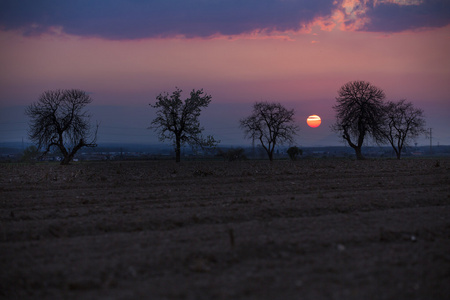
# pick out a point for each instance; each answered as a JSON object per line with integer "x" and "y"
{"x": 134, "y": 19}
{"x": 390, "y": 17}
{"x": 120, "y": 19}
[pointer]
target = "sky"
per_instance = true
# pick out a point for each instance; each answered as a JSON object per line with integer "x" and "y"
{"x": 296, "y": 52}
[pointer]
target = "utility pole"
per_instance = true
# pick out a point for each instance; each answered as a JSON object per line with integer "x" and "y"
{"x": 430, "y": 136}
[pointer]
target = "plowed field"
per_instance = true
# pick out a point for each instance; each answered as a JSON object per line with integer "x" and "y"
{"x": 311, "y": 229}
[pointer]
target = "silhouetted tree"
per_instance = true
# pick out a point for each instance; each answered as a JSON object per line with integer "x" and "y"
{"x": 178, "y": 121}
{"x": 402, "y": 122}
{"x": 293, "y": 152}
{"x": 59, "y": 121}
{"x": 359, "y": 113}
{"x": 270, "y": 124}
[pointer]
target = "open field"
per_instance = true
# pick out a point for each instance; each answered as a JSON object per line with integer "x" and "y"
{"x": 311, "y": 229}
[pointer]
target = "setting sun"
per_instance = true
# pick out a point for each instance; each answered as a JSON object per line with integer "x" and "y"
{"x": 313, "y": 121}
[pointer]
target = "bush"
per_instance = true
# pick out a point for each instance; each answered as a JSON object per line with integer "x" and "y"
{"x": 232, "y": 154}
{"x": 293, "y": 152}
{"x": 30, "y": 154}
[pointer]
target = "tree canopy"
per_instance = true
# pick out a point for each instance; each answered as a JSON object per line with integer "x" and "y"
{"x": 58, "y": 120}
{"x": 178, "y": 121}
{"x": 270, "y": 124}
{"x": 402, "y": 122}
{"x": 359, "y": 114}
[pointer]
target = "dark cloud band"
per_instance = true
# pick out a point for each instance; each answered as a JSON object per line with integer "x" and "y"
{"x": 119, "y": 19}
{"x": 390, "y": 17}
{"x": 134, "y": 19}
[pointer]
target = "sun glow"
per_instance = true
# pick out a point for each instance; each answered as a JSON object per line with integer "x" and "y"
{"x": 314, "y": 121}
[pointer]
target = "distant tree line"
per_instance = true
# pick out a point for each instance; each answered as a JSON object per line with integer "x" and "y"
{"x": 59, "y": 120}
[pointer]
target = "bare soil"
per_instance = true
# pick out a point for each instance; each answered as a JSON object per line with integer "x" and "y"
{"x": 311, "y": 229}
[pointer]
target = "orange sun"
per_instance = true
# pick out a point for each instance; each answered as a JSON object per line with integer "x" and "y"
{"x": 313, "y": 121}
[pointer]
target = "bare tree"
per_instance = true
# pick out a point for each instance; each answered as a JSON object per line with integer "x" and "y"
{"x": 178, "y": 121}
{"x": 270, "y": 124}
{"x": 402, "y": 122}
{"x": 359, "y": 113}
{"x": 59, "y": 121}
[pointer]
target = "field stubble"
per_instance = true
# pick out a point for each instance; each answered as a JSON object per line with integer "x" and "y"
{"x": 311, "y": 229}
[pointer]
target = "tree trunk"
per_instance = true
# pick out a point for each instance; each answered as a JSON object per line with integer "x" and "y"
{"x": 359, "y": 155}
{"x": 270, "y": 155}
{"x": 69, "y": 156}
{"x": 398, "y": 152}
{"x": 66, "y": 157}
{"x": 177, "y": 149}
{"x": 358, "y": 147}
{"x": 400, "y": 146}
{"x": 66, "y": 160}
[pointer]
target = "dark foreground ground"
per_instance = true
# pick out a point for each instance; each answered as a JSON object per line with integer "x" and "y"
{"x": 313, "y": 229}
